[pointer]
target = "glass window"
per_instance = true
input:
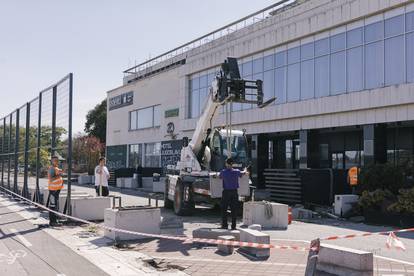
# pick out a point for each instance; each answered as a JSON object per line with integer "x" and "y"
{"x": 338, "y": 73}
{"x": 203, "y": 97}
{"x": 338, "y": 42}
{"x": 394, "y": 60}
{"x": 268, "y": 85}
{"x": 293, "y": 85}
{"x": 354, "y": 37}
{"x": 306, "y": 51}
{"x": 145, "y": 117}
{"x": 355, "y": 71}
{"x": 247, "y": 69}
{"x": 195, "y": 106}
{"x": 157, "y": 115}
{"x": 374, "y": 65}
{"x": 258, "y": 65}
{"x": 203, "y": 81}
{"x": 280, "y": 85}
{"x": 410, "y": 57}
{"x": 322, "y": 47}
{"x": 409, "y": 22}
{"x": 293, "y": 55}
{"x": 152, "y": 155}
{"x": 210, "y": 78}
{"x": 322, "y": 76}
{"x": 394, "y": 26}
{"x": 306, "y": 80}
{"x": 195, "y": 83}
{"x": 133, "y": 120}
{"x": 237, "y": 106}
{"x": 135, "y": 156}
{"x": 374, "y": 32}
{"x": 280, "y": 59}
{"x": 268, "y": 62}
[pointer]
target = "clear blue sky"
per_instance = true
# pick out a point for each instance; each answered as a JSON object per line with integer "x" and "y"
{"x": 43, "y": 40}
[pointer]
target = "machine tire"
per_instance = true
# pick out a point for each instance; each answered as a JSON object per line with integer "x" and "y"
{"x": 182, "y": 208}
{"x": 168, "y": 204}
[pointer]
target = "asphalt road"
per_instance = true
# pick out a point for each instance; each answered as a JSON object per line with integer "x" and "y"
{"x": 25, "y": 249}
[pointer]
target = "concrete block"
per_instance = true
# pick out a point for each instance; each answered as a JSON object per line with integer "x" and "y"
{"x": 249, "y": 235}
{"x": 84, "y": 179}
{"x": 159, "y": 186}
{"x": 139, "y": 219}
{"x": 90, "y": 208}
{"x": 344, "y": 204}
{"x": 216, "y": 186}
{"x": 147, "y": 183}
{"x": 255, "y": 213}
{"x": 257, "y": 227}
{"x": 130, "y": 183}
{"x": 338, "y": 260}
{"x": 226, "y": 249}
{"x": 214, "y": 233}
{"x": 301, "y": 213}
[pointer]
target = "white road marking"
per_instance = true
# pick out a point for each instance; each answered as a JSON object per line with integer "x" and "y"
{"x": 12, "y": 257}
{"x": 60, "y": 275}
{"x": 20, "y": 237}
{"x": 394, "y": 260}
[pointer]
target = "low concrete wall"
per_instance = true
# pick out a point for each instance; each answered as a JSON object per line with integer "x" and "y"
{"x": 90, "y": 208}
{"x": 144, "y": 220}
{"x": 255, "y": 213}
{"x": 342, "y": 261}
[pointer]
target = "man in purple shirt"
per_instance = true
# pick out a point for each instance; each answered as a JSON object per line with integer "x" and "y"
{"x": 230, "y": 196}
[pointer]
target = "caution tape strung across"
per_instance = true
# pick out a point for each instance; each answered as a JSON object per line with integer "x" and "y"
{"x": 184, "y": 239}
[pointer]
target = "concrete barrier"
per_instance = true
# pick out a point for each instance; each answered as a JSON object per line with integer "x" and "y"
{"x": 257, "y": 227}
{"x": 255, "y": 213}
{"x": 250, "y": 235}
{"x": 85, "y": 179}
{"x": 90, "y": 208}
{"x": 338, "y": 260}
{"x": 147, "y": 184}
{"x": 138, "y": 219}
{"x": 159, "y": 186}
{"x": 226, "y": 249}
{"x": 126, "y": 182}
{"x": 214, "y": 233}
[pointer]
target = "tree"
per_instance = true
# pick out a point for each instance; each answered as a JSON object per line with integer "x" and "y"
{"x": 86, "y": 153}
{"x": 96, "y": 122}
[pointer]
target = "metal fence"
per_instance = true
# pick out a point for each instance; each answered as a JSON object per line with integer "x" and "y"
{"x": 31, "y": 134}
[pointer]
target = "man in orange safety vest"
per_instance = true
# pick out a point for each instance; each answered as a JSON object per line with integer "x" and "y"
{"x": 353, "y": 177}
{"x": 55, "y": 184}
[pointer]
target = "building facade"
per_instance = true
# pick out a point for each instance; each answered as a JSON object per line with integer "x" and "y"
{"x": 342, "y": 72}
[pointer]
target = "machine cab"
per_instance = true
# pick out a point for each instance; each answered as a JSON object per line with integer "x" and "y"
{"x": 218, "y": 149}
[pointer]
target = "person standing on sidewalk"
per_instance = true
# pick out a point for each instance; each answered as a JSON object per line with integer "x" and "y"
{"x": 55, "y": 185}
{"x": 230, "y": 196}
{"x": 101, "y": 178}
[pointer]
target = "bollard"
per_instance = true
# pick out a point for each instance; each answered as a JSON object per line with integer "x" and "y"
{"x": 312, "y": 257}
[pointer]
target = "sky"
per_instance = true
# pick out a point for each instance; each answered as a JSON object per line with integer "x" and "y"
{"x": 41, "y": 41}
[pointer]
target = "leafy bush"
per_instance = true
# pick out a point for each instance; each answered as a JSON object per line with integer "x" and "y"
{"x": 378, "y": 199}
{"x": 405, "y": 202}
{"x": 382, "y": 176}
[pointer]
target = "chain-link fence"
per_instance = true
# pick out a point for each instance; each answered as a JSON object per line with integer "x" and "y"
{"x": 31, "y": 134}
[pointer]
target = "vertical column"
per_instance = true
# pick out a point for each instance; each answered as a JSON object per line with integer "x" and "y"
{"x": 369, "y": 131}
{"x": 255, "y": 140}
{"x": 262, "y": 159}
{"x": 39, "y": 144}
{"x": 16, "y": 152}
{"x": 380, "y": 143}
{"x": 25, "y": 191}
{"x": 303, "y": 152}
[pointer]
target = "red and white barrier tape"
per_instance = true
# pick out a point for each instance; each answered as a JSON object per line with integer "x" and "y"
{"x": 366, "y": 234}
{"x": 184, "y": 239}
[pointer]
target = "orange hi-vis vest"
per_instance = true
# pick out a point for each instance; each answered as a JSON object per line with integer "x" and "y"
{"x": 55, "y": 182}
{"x": 353, "y": 176}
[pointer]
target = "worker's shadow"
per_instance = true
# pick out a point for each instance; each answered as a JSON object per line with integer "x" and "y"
{"x": 183, "y": 247}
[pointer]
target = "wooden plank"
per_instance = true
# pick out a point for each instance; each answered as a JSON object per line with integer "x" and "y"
{"x": 283, "y": 182}
{"x": 283, "y": 186}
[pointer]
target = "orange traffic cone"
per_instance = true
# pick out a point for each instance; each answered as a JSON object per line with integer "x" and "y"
{"x": 289, "y": 215}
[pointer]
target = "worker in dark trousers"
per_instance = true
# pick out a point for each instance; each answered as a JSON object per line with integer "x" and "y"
{"x": 55, "y": 185}
{"x": 230, "y": 197}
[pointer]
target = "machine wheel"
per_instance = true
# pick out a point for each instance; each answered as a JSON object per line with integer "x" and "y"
{"x": 168, "y": 204}
{"x": 182, "y": 207}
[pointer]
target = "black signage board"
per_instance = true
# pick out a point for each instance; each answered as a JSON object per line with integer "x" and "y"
{"x": 116, "y": 157}
{"x": 121, "y": 100}
{"x": 170, "y": 152}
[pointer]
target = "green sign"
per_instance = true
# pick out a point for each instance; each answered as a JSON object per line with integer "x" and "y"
{"x": 171, "y": 112}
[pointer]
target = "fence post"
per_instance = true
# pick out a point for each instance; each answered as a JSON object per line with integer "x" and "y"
{"x": 39, "y": 133}
{"x": 16, "y": 152}
{"x": 3, "y": 156}
{"x": 69, "y": 158}
{"x": 53, "y": 149}
{"x": 9, "y": 151}
{"x": 25, "y": 191}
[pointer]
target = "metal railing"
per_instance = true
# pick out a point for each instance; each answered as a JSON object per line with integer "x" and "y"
{"x": 228, "y": 29}
{"x": 31, "y": 134}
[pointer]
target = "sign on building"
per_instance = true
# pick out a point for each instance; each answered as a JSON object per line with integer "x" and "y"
{"x": 170, "y": 152}
{"x": 121, "y": 100}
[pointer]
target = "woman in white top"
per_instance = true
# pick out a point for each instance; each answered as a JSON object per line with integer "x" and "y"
{"x": 101, "y": 178}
